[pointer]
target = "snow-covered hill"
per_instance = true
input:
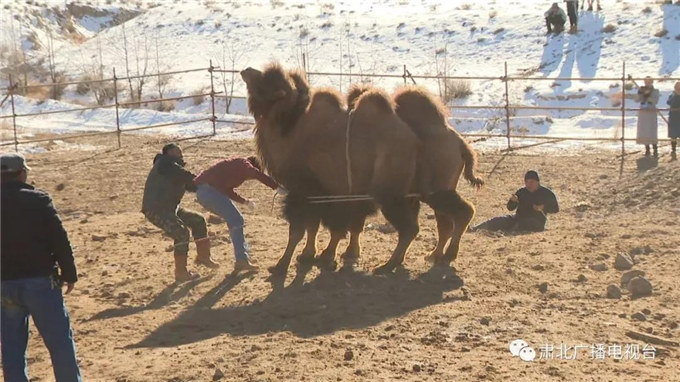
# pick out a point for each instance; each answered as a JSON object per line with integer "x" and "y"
{"x": 429, "y": 37}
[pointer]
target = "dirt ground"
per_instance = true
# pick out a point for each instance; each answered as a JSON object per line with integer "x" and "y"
{"x": 132, "y": 323}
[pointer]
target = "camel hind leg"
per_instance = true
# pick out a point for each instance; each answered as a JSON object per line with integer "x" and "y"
{"x": 444, "y": 232}
{"x": 402, "y": 213}
{"x": 451, "y": 203}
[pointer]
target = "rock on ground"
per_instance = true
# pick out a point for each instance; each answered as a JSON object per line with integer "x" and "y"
{"x": 623, "y": 262}
{"x": 613, "y": 292}
{"x": 640, "y": 287}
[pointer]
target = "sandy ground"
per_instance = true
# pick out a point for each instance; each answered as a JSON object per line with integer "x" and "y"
{"x": 132, "y": 323}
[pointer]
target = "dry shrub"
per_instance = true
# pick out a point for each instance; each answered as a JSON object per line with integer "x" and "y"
{"x": 456, "y": 89}
{"x": 616, "y": 99}
{"x": 198, "y": 96}
{"x": 40, "y": 93}
{"x": 166, "y": 106}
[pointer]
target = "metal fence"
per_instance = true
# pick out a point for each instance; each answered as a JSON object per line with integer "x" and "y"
{"x": 507, "y": 107}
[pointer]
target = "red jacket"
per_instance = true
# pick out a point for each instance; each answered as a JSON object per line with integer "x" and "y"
{"x": 228, "y": 174}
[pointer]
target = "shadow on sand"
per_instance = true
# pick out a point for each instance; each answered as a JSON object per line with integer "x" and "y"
{"x": 332, "y": 301}
{"x": 172, "y": 292}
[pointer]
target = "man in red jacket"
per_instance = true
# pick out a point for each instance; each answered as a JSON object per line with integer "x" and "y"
{"x": 215, "y": 191}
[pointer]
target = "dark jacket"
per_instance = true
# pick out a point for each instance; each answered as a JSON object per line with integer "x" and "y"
{"x": 525, "y": 208}
{"x": 166, "y": 184}
{"x": 674, "y": 116}
{"x": 33, "y": 239}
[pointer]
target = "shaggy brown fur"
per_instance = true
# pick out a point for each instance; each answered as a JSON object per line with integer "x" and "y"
{"x": 445, "y": 156}
{"x": 301, "y": 141}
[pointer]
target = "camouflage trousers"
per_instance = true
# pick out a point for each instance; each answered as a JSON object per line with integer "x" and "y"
{"x": 177, "y": 225}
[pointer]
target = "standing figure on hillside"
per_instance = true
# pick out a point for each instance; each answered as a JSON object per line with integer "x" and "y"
{"x": 555, "y": 19}
{"x": 533, "y": 202}
{"x": 215, "y": 192}
{"x": 572, "y": 11}
{"x": 647, "y": 127}
{"x": 590, "y": 5}
{"x": 165, "y": 186}
{"x": 674, "y": 119}
{"x": 37, "y": 262}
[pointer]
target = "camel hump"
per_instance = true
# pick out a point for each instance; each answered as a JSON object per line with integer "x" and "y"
{"x": 421, "y": 110}
{"x": 355, "y": 91}
{"x": 374, "y": 101}
{"x": 326, "y": 97}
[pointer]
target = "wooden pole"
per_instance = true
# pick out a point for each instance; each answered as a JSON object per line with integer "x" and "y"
{"x": 404, "y": 74}
{"x": 213, "y": 119}
{"x": 623, "y": 112}
{"x": 14, "y": 114}
{"x": 115, "y": 97}
{"x": 507, "y": 105}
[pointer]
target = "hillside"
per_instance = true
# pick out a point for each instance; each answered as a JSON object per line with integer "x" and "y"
{"x": 429, "y": 37}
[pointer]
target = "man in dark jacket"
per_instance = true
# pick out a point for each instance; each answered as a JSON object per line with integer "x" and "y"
{"x": 555, "y": 19}
{"x": 532, "y": 202}
{"x": 165, "y": 186}
{"x": 34, "y": 249}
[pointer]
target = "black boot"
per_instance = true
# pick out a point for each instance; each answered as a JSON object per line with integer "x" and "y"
{"x": 656, "y": 151}
{"x": 647, "y": 152}
{"x": 674, "y": 146}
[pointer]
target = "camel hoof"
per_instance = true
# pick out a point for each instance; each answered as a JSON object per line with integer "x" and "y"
{"x": 384, "y": 269}
{"x": 326, "y": 264}
{"x": 278, "y": 270}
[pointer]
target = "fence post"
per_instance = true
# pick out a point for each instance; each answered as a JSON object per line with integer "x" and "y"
{"x": 212, "y": 98}
{"x": 623, "y": 111}
{"x": 14, "y": 114}
{"x": 507, "y": 104}
{"x": 115, "y": 97}
{"x": 404, "y": 74}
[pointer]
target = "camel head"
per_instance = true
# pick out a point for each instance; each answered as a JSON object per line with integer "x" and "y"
{"x": 279, "y": 95}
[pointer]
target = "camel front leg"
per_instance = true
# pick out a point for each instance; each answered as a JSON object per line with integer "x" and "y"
{"x": 308, "y": 253}
{"x": 296, "y": 231}
{"x": 327, "y": 258}
{"x": 353, "y": 251}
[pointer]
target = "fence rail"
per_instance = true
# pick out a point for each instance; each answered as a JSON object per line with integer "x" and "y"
{"x": 508, "y": 107}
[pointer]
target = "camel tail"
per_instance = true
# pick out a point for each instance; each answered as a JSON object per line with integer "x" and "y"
{"x": 470, "y": 159}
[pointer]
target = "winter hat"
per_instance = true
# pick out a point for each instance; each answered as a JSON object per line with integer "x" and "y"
{"x": 532, "y": 174}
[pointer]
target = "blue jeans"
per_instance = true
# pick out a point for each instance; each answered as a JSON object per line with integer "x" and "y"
{"x": 38, "y": 298}
{"x": 218, "y": 203}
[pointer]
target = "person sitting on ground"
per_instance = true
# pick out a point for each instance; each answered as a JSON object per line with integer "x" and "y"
{"x": 555, "y": 18}
{"x": 532, "y": 202}
{"x": 165, "y": 186}
{"x": 215, "y": 192}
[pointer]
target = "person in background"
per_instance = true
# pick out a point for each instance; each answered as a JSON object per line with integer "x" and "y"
{"x": 165, "y": 186}
{"x": 36, "y": 261}
{"x": 647, "y": 126}
{"x": 572, "y": 11}
{"x": 555, "y": 19}
{"x": 533, "y": 202}
{"x": 590, "y": 5}
{"x": 674, "y": 119}
{"x": 215, "y": 192}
